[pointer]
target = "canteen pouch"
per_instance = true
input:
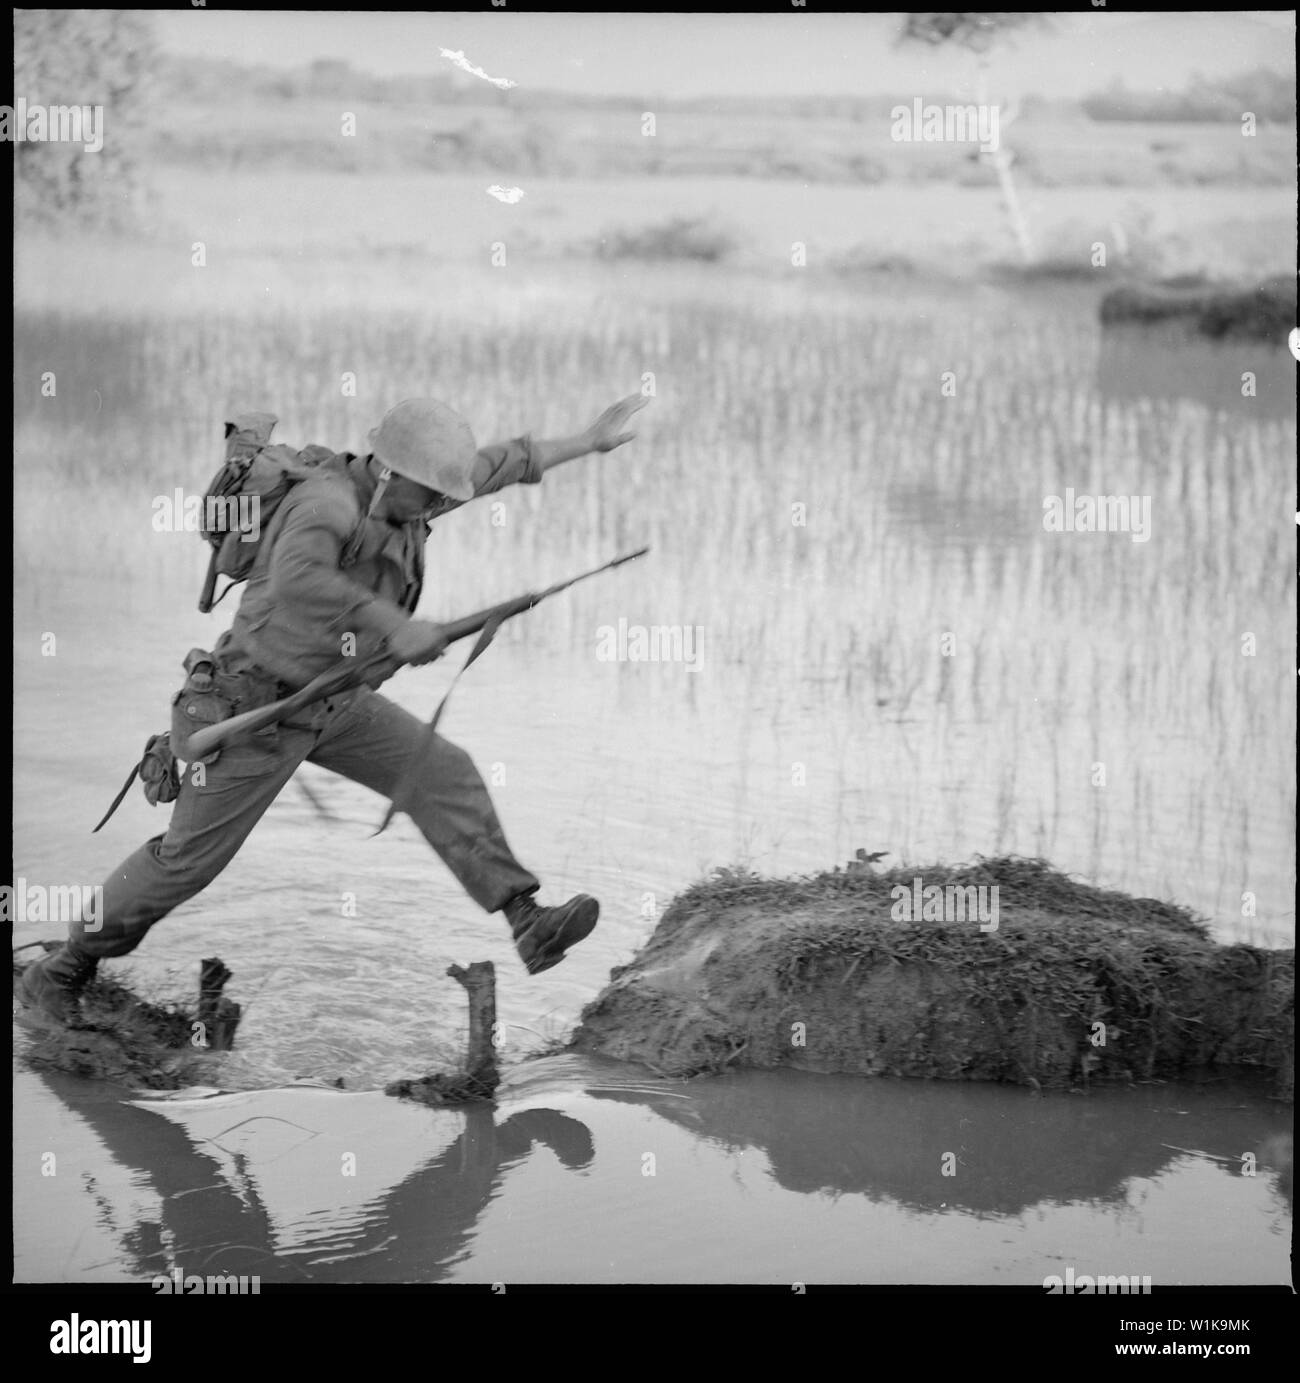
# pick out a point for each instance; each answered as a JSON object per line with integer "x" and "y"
{"x": 199, "y": 703}
{"x": 158, "y": 771}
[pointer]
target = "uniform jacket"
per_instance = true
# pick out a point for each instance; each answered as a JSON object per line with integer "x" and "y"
{"x": 302, "y": 597}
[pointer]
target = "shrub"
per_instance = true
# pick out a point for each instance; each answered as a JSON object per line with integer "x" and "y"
{"x": 682, "y": 237}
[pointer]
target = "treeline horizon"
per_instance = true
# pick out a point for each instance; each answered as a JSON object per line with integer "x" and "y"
{"x": 1269, "y": 95}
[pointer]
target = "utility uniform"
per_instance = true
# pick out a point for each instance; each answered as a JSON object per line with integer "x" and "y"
{"x": 325, "y": 569}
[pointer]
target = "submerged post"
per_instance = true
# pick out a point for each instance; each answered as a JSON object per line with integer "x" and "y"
{"x": 480, "y": 1076}
{"x": 219, "y": 1015}
{"x": 480, "y": 984}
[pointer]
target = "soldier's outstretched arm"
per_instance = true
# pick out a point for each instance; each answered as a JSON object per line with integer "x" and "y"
{"x": 607, "y": 432}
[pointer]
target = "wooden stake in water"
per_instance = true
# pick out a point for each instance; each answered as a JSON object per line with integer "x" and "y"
{"x": 480, "y": 1076}
{"x": 218, "y": 1014}
{"x": 479, "y": 982}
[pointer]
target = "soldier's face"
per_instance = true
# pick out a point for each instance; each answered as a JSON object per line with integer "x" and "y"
{"x": 405, "y": 501}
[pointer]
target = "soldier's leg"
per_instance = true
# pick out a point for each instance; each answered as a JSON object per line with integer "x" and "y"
{"x": 208, "y": 825}
{"x": 373, "y": 743}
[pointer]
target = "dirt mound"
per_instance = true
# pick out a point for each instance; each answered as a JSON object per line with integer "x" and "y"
{"x": 1219, "y": 312}
{"x": 842, "y": 972}
{"x": 129, "y": 1041}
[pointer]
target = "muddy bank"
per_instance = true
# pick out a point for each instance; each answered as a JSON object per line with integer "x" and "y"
{"x": 1074, "y": 985}
{"x": 1218, "y": 312}
{"x": 125, "y": 1039}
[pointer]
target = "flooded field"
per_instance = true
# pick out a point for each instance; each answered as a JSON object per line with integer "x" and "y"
{"x": 844, "y": 492}
{"x": 844, "y": 489}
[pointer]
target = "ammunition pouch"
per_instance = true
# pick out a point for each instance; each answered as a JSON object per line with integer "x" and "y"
{"x": 212, "y": 694}
{"x": 199, "y": 703}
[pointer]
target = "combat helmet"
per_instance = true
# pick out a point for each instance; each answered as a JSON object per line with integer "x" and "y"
{"x": 430, "y": 443}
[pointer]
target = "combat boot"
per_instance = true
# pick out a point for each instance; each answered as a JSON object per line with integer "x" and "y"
{"x": 542, "y": 935}
{"x": 54, "y": 984}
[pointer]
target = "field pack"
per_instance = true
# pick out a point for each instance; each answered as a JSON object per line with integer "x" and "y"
{"x": 237, "y": 507}
{"x": 244, "y": 495}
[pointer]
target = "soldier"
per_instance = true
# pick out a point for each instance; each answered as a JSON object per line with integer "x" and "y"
{"x": 343, "y": 554}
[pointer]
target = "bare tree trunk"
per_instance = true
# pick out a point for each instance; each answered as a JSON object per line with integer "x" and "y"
{"x": 1001, "y": 159}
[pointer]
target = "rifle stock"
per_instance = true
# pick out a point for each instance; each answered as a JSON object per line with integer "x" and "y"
{"x": 330, "y": 683}
{"x": 348, "y": 674}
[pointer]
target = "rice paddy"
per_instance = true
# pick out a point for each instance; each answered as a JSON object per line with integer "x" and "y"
{"x": 843, "y": 483}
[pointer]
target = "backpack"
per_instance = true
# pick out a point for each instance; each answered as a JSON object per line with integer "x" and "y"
{"x": 244, "y": 495}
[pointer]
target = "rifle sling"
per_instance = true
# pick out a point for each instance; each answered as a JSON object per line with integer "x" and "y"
{"x": 402, "y": 791}
{"x": 118, "y": 800}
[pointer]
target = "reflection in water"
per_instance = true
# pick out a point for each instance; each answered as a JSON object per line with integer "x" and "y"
{"x": 213, "y": 1219}
{"x": 1013, "y": 1151}
{"x": 318, "y": 1185}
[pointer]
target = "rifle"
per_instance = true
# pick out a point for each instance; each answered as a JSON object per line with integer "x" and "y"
{"x": 349, "y": 673}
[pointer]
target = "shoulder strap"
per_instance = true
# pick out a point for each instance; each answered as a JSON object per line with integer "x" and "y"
{"x": 352, "y": 548}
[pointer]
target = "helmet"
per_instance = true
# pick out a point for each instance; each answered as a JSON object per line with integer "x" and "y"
{"x": 429, "y": 443}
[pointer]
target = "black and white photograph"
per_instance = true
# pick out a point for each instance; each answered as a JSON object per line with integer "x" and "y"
{"x": 653, "y": 651}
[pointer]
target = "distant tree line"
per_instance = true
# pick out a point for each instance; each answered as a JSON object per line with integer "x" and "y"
{"x": 1269, "y": 95}
{"x": 84, "y": 58}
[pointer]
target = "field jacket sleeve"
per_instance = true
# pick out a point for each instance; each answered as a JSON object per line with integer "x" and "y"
{"x": 505, "y": 463}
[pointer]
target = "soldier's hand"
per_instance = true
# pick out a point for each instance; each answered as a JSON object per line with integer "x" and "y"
{"x": 609, "y": 430}
{"x": 418, "y": 641}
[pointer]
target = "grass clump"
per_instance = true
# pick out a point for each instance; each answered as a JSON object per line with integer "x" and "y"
{"x": 1030, "y": 884}
{"x": 681, "y": 237}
